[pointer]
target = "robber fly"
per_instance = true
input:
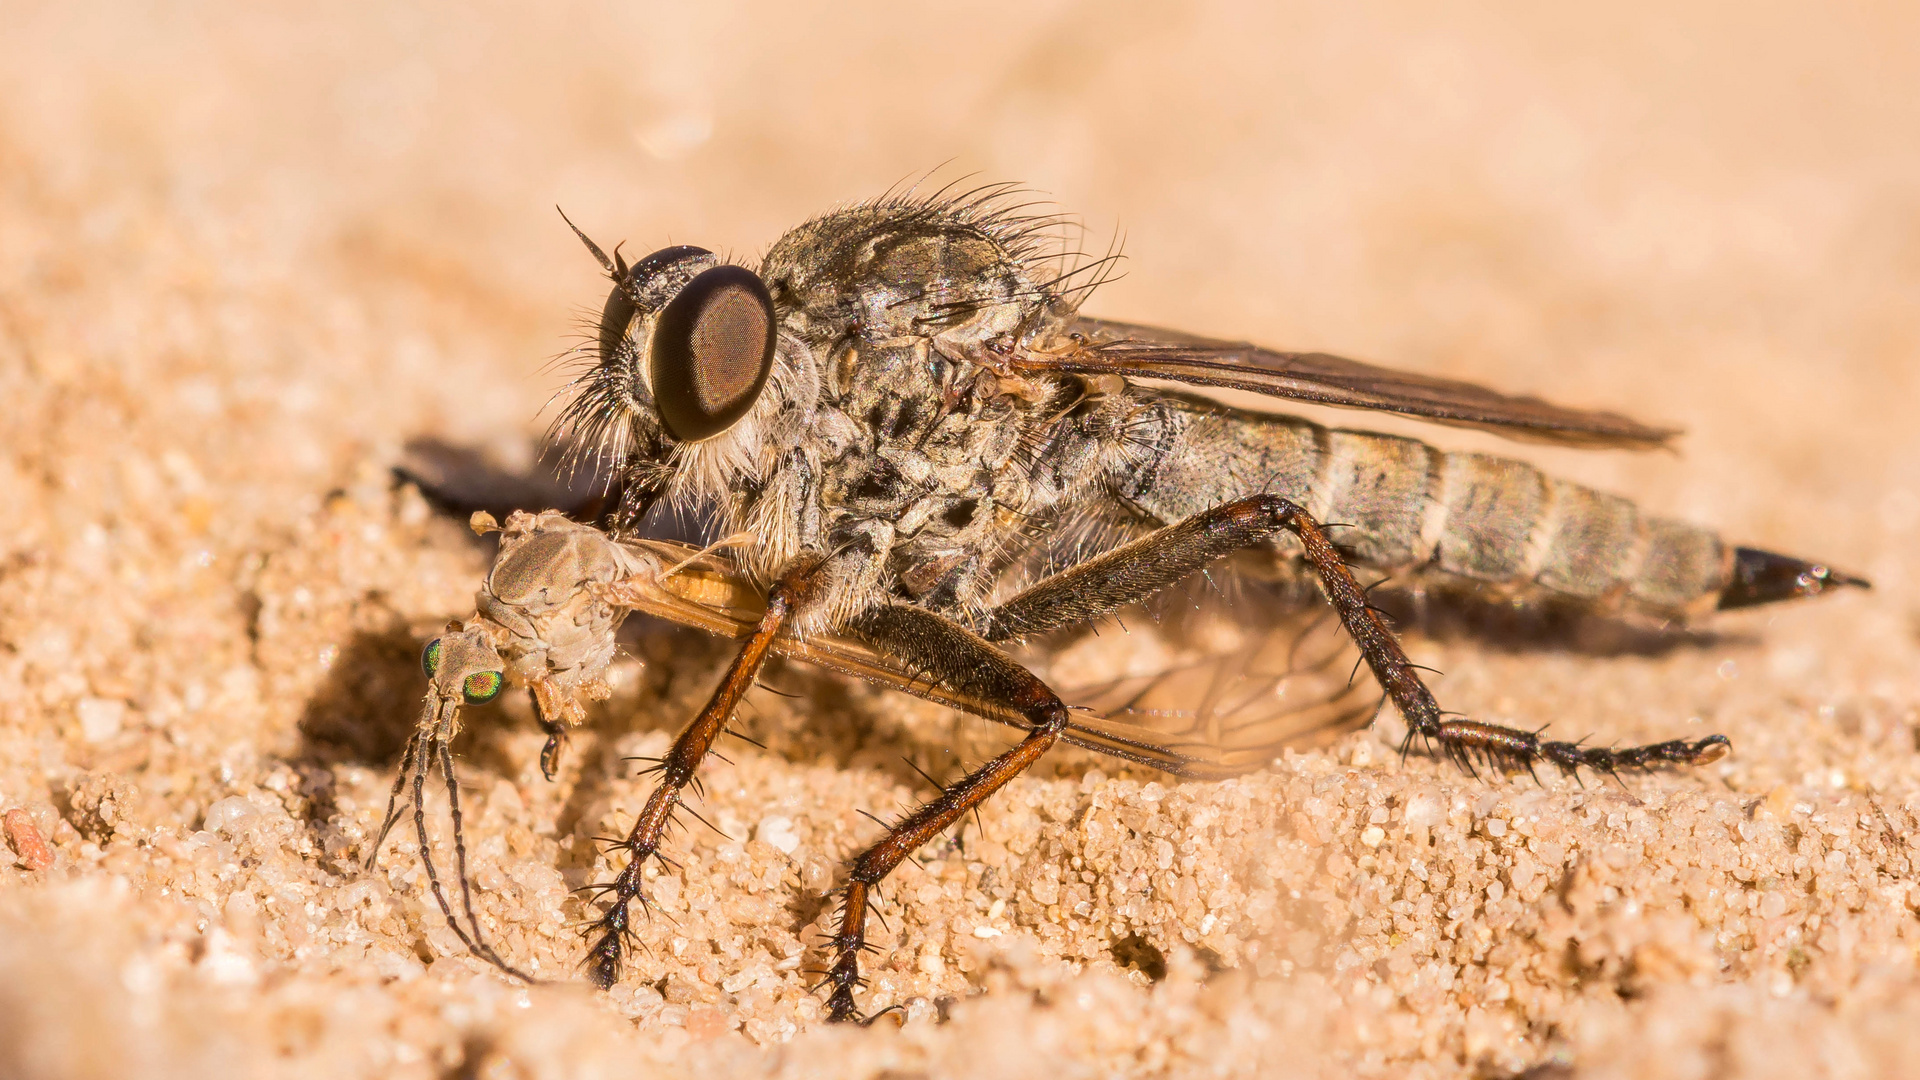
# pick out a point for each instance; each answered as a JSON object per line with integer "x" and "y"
{"x": 937, "y": 458}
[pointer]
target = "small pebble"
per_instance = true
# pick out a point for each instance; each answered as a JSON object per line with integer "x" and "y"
{"x": 776, "y": 831}
{"x": 100, "y": 718}
{"x": 27, "y": 842}
{"x": 706, "y": 1022}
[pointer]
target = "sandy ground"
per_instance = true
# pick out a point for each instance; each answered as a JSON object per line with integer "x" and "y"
{"x": 247, "y": 256}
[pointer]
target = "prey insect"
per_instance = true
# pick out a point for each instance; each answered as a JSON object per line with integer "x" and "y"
{"x": 941, "y": 461}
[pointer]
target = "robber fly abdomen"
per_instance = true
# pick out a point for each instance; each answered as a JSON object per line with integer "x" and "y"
{"x": 1402, "y": 506}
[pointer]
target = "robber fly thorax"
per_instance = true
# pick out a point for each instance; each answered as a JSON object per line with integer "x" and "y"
{"x": 887, "y": 431}
{"x": 934, "y": 455}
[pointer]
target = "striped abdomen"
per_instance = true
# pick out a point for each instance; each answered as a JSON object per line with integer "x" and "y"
{"x": 1402, "y": 504}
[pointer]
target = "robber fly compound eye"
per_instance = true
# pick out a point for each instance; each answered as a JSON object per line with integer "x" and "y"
{"x": 430, "y": 658}
{"x": 482, "y": 686}
{"x": 711, "y": 352}
{"x": 615, "y": 318}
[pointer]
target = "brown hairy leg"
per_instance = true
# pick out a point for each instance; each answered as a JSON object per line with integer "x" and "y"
{"x": 945, "y": 653}
{"x": 1134, "y": 571}
{"x": 795, "y": 587}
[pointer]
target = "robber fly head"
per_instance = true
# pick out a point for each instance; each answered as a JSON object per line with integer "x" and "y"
{"x": 686, "y": 346}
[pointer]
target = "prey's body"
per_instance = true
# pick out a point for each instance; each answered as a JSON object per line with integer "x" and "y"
{"x": 934, "y": 453}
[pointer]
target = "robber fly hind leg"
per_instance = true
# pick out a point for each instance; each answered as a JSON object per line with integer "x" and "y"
{"x": 1136, "y": 570}
{"x": 796, "y": 587}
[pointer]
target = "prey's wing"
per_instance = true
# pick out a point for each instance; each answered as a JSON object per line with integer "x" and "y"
{"x": 1204, "y": 689}
{"x": 1103, "y": 347}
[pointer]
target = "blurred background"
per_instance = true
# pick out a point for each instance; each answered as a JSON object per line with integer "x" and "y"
{"x": 249, "y": 252}
{"x": 1704, "y": 213}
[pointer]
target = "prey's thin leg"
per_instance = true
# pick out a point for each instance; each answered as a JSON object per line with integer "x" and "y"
{"x": 557, "y": 712}
{"x": 795, "y": 587}
{"x": 550, "y": 752}
{"x": 478, "y": 946}
{"x": 393, "y": 800}
{"x": 944, "y": 652}
{"x": 1136, "y": 570}
{"x": 431, "y": 743}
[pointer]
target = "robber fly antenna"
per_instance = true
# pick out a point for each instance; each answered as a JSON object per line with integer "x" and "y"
{"x": 605, "y": 263}
{"x": 616, "y": 267}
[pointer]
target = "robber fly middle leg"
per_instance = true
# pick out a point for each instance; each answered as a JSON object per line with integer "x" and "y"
{"x": 1136, "y": 570}
{"x": 944, "y": 652}
{"x": 793, "y": 589}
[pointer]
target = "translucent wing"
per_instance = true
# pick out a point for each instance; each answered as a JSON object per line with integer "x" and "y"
{"x": 1205, "y": 690}
{"x": 1102, "y": 347}
{"x": 1216, "y": 686}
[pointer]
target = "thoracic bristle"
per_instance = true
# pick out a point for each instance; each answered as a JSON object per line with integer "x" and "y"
{"x": 1761, "y": 577}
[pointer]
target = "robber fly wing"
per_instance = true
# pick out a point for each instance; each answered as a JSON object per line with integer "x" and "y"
{"x": 1206, "y": 718}
{"x": 1100, "y": 346}
{"x": 1219, "y": 690}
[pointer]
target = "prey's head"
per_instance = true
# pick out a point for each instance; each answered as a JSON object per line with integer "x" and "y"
{"x": 464, "y": 667}
{"x": 685, "y": 349}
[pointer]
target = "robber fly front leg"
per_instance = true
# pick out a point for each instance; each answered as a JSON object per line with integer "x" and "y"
{"x": 793, "y": 589}
{"x": 1137, "y": 570}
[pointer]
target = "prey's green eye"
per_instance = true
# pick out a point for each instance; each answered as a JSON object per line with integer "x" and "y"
{"x": 430, "y": 659}
{"x": 482, "y": 687}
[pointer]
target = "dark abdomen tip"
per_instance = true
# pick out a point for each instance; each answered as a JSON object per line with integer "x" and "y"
{"x": 1761, "y": 577}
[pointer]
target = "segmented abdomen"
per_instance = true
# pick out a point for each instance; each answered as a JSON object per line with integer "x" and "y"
{"x": 1398, "y": 503}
